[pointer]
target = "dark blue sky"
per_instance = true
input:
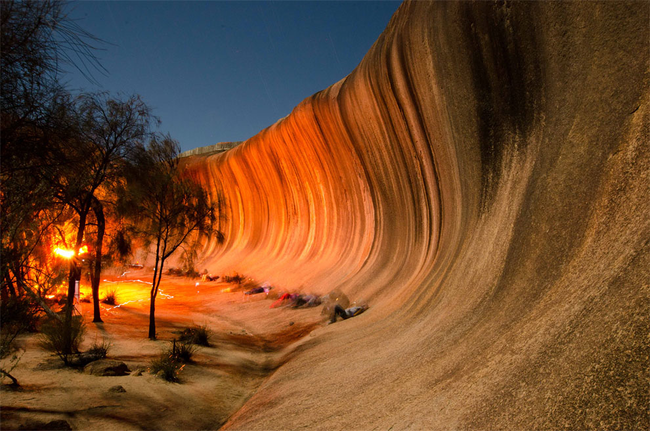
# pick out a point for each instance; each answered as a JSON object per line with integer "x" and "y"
{"x": 223, "y": 71}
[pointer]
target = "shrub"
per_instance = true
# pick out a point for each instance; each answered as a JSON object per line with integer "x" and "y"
{"x": 53, "y": 340}
{"x": 171, "y": 361}
{"x": 166, "y": 366}
{"x": 183, "y": 352}
{"x": 192, "y": 273}
{"x": 110, "y": 298}
{"x": 98, "y": 350}
{"x": 189, "y": 272}
{"x": 20, "y": 313}
{"x": 174, "y": 271}
{"x": 199, "y": 335}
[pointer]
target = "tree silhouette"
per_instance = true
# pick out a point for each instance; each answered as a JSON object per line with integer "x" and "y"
{"x": 37, "y": 40}
{"x": 169, "y": 207}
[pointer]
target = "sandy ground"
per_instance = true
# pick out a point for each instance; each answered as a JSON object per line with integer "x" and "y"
{"x": 249, "y": 341}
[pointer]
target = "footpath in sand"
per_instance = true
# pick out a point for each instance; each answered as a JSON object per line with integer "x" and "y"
{"x": 248, "y": 341}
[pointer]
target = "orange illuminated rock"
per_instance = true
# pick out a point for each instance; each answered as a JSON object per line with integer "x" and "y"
{"x": 482, "y": 180}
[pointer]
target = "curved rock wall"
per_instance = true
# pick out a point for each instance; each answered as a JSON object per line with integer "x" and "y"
{"x": 483, "y": 179}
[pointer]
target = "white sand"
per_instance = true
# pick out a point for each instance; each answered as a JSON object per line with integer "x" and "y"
{"x": 248, "y": 340}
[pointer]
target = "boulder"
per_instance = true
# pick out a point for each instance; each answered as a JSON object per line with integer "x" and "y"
{"x": 106, "y": 367}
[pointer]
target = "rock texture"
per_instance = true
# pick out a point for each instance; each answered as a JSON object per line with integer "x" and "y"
{"x": 482, "y": 179}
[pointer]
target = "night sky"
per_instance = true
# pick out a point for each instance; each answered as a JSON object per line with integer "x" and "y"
{"x": 223, "y": 71}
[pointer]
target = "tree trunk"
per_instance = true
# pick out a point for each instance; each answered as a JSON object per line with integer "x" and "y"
{"x": 152, "y": 315}
{"x": 157, "y": 276}
{"x": 75, "y": 274}
{"x": 96, "y": 268}
{"x": 5, "y": 286}
{"x": 8, "y": 285}
{"x": 152, "y": 298}
{"x": 36, "y": 297}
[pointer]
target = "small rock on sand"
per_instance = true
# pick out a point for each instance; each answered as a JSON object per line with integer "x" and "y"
{"x": 118, "y": 388}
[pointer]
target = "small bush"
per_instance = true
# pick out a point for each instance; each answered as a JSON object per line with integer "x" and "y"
{"x": 21, "y": 313}
{"x": 183, "y": 352}
{"x": 174, "y": 271}
{"x": 110, "y": 298}
{"x": 53, "y": 340}
{"x": 192, "y": 273}
{"x": 199, "y": 335}
{"x": 166, "y": 366}
{"x": 189, "y": 272}
{"x": 99, "y": 350}
{"x": 172, "y": 361}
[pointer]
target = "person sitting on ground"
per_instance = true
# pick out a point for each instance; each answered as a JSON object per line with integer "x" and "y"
{"x": 347, "y": 313}
{"x": 285, "y": 299}
{"x": 266, "y": 287}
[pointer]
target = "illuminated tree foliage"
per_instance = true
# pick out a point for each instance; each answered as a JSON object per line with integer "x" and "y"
{"x": 168, "y": 207}
{"x": 37, "y": 40}
{"x": 61, "y": 155}
{"x": 109, "y": 131}
{"x": 64, "y": 159}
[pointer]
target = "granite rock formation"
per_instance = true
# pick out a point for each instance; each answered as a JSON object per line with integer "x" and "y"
{"x": 482, "y": 179}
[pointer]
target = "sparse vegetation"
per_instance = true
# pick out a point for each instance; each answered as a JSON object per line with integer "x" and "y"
{"x": 110, "y": 298}
{"x": 169, "y": 206}
{"x": 189, "y": 272}
{"x": 20, "y": 314}
{"x": 53, "y": 337}
{"x": 98, "y": 350}
{"x": 172, "y": 360}
{"x": 166, "y": 367}
{"x": 183, "y": 351}
{"x": 199, "y": 335}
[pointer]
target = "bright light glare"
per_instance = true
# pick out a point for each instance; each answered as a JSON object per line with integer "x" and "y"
{"x": 64, "y": 253}
{"x": 83, "y": 249}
